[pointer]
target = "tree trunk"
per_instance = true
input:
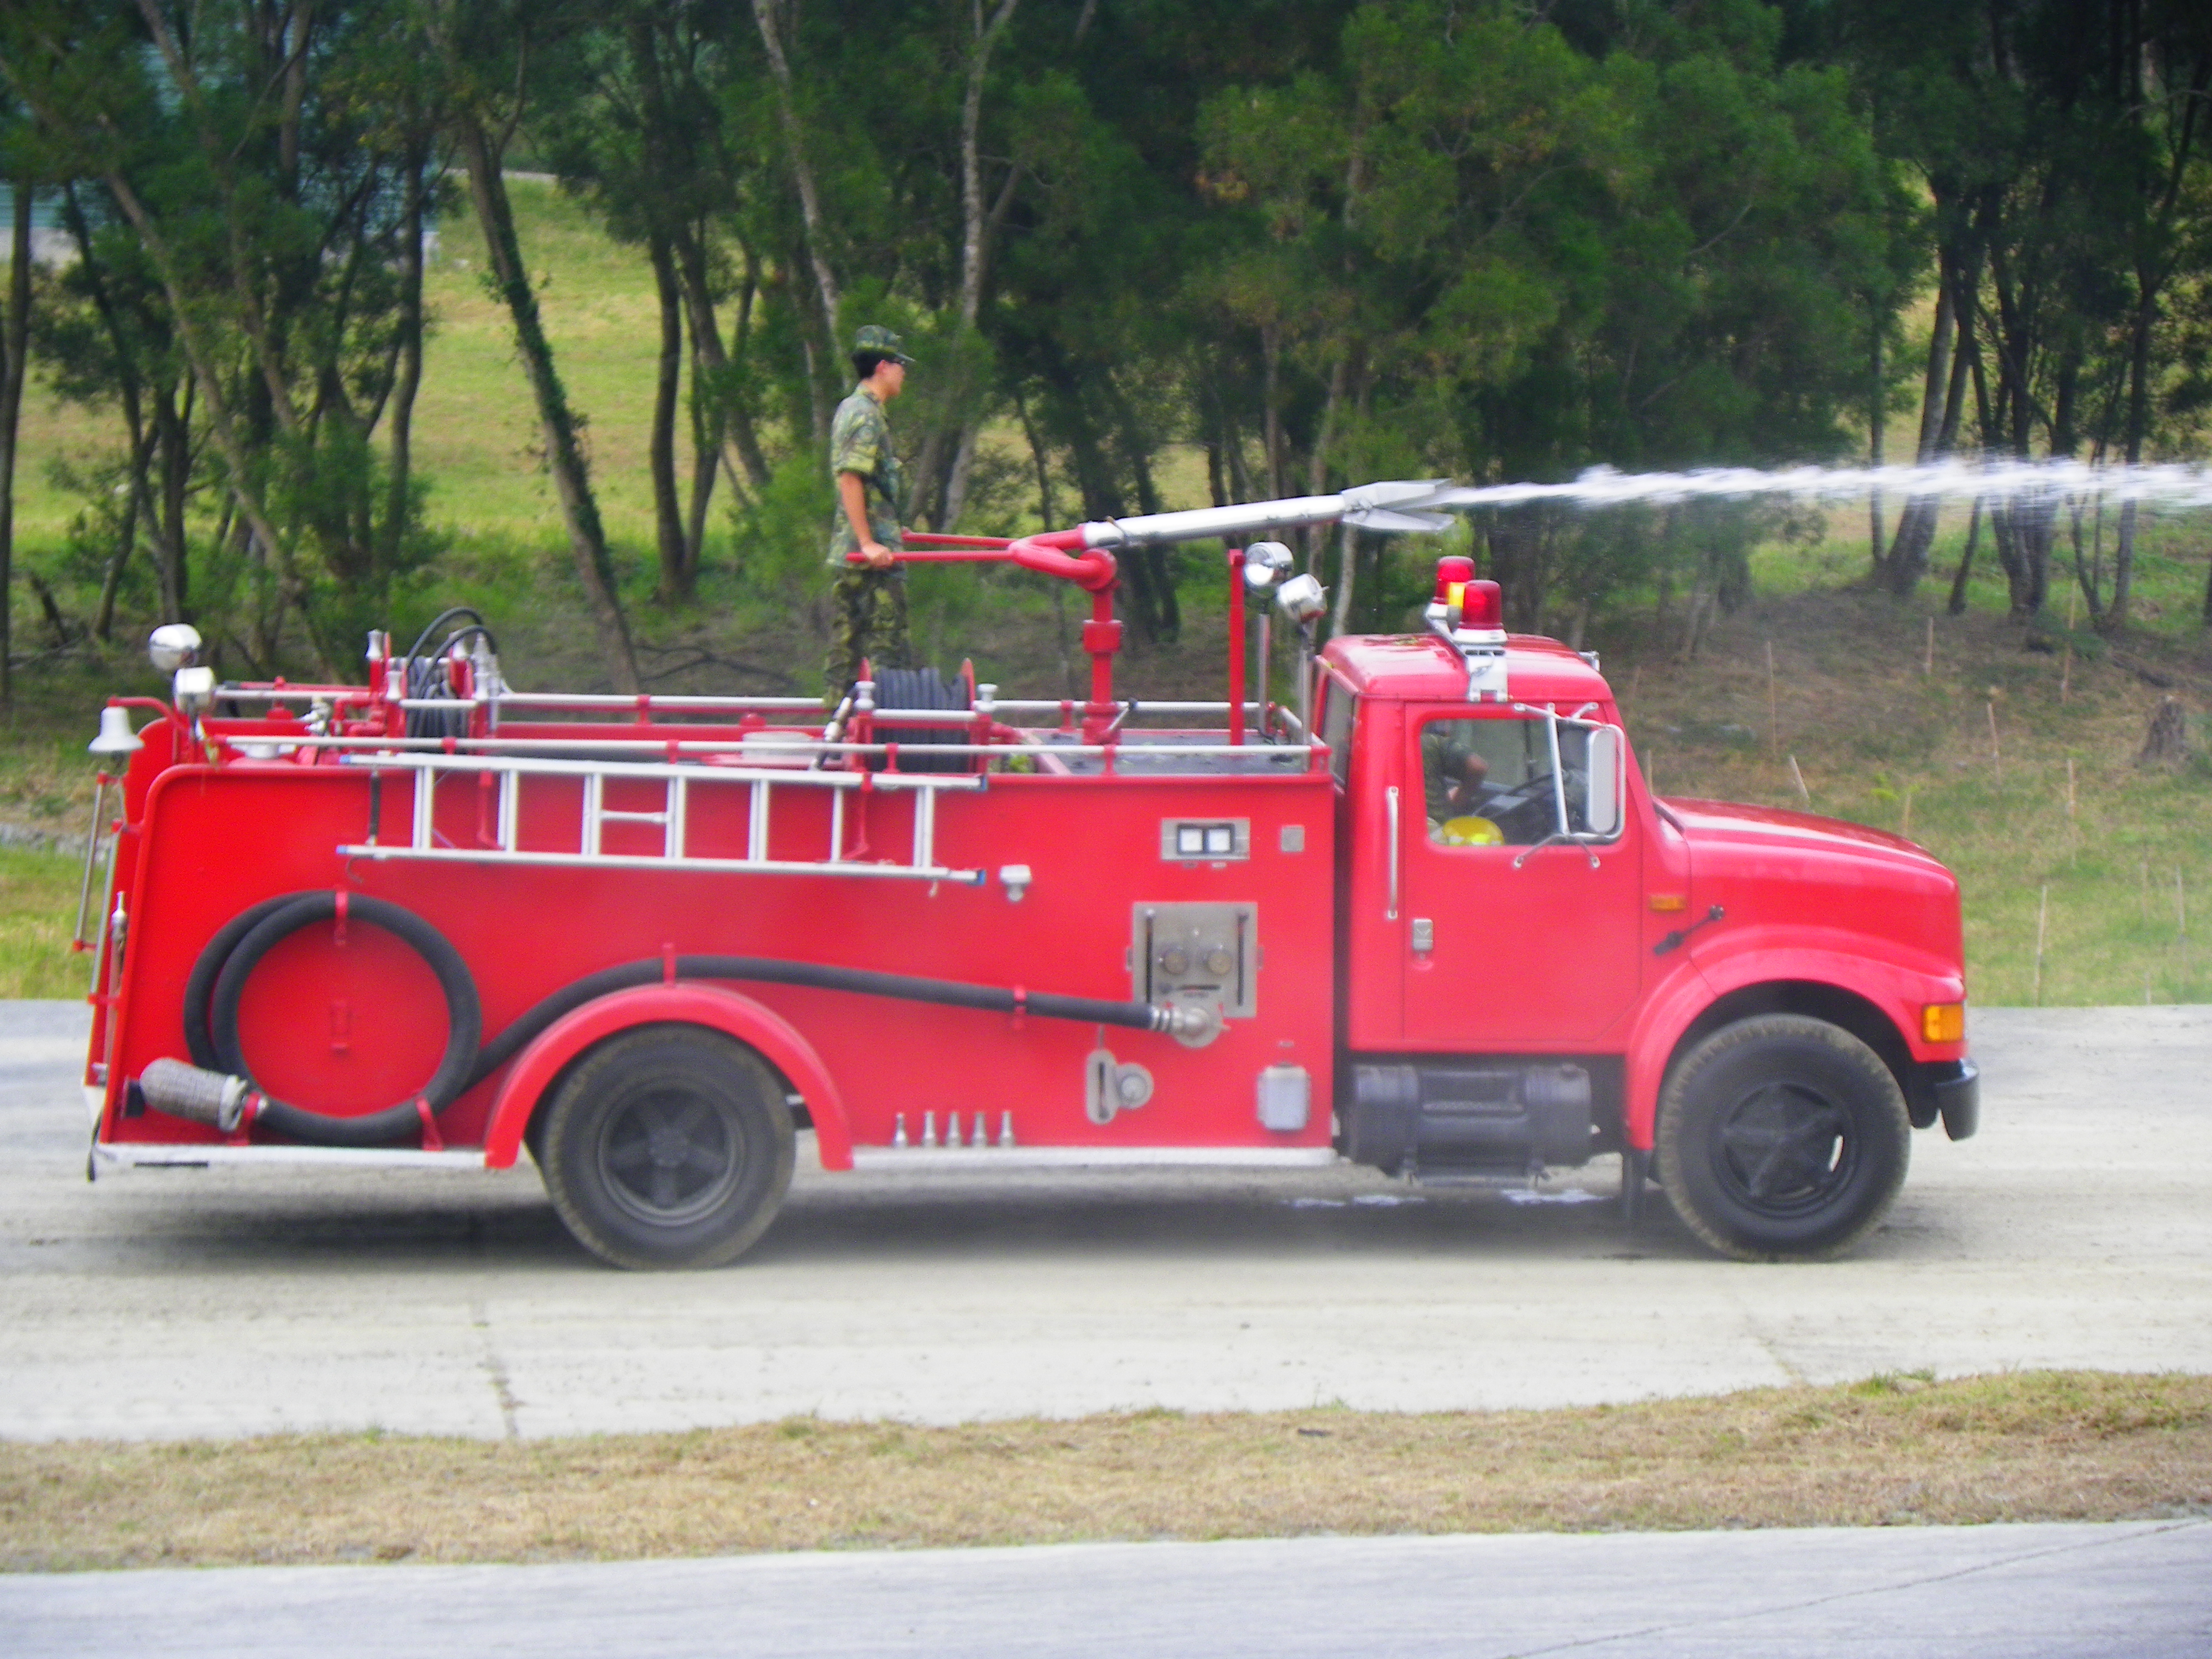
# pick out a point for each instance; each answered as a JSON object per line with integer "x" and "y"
{"x": 660, "y": 447}
{"x": 1942, "y": 397}
{"x": 809, "y": 201}
{"x": 15, "y": 363}
{"x": 1347, "y": 559}
{"x": 408, "y": 380}
{"x": 706, "y": 464}
{"x": 732, "y": 421}
{"x": 1877, "y": 417}
{"x": 1957, "y": 606}
{"x": 948, "y": 449}
{"x": 564, "y": 455}
{"x": 2124, "y": 559}
{"x": 1271, "y": 355}
{"x": 126, "y": 544}
{"x": 172, "y": 430}
{"x": 2166, "y": 743}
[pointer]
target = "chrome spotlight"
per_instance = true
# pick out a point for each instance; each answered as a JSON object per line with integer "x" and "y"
{"x": 1302, "y": 599}
{"x": 173, "y": 646}
{"x": 1265, "y": 562}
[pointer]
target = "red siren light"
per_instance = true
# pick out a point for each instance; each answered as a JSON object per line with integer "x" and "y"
{"x": 1481, "y": 606}
{"x": 1453, "y": 575}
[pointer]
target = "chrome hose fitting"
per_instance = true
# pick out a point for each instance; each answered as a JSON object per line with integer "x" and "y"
{"x": 186, "y": 1091}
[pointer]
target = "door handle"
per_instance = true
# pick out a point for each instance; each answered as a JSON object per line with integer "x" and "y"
{"x": 1390, "y": 807}
{"x": 1424, "y": 935}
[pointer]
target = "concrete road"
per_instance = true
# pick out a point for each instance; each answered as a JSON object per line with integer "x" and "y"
{"x": 2143, "y": 1590}
{"x": 2073, "y": 1231}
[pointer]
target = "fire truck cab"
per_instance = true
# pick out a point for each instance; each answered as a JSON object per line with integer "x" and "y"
{"x": 1429, "y": 920}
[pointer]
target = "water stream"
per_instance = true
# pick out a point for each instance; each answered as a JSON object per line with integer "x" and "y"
{"x": 2174, "y": 485}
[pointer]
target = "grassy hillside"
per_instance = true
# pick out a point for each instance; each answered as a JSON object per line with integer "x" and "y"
{"x": 1880, "y": 730}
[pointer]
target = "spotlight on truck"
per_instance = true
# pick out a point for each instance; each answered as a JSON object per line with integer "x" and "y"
{"x": 174, "y": 646}
{"x": 1302, "y": 599}
{"x": 1266, "y": 563}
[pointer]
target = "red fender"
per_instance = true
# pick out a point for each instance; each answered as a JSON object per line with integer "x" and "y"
{"x": 758, "y": 1027}
{"x": 1896, "y": 986}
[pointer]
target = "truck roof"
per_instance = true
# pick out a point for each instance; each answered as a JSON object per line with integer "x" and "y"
{"x": 1417, "y": 666}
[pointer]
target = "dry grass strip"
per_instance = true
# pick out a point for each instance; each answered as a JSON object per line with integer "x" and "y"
{"x": 2034, "y": 1446}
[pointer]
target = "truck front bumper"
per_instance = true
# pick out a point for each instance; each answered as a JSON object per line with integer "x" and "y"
{"x": 1947, "y": 1089}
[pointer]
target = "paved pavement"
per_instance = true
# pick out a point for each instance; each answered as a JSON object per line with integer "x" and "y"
{"x": 2073, "y": 1232}
{"x": 2032, "y": 1592}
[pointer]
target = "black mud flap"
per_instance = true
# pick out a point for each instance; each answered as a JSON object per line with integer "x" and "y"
{"x": 1950, "y": 1090}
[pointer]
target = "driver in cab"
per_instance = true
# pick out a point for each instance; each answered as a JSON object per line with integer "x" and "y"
{"x": 1454, "y": 776}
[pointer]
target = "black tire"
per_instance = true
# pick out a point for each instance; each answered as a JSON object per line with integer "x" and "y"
{"x": 1782, "y": 1139}
{"x": 667, "y": 1146}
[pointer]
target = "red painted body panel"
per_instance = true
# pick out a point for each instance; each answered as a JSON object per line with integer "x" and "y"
{"x": 215, "y": 840}
{"x": 761, "y": 1028}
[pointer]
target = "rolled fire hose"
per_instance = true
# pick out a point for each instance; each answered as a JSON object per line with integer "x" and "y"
{"x": 218, "y": 1089}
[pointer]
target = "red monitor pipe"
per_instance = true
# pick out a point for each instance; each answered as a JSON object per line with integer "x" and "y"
{"x": 1054, "y": 553}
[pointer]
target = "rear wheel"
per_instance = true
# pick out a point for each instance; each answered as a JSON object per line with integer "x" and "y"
{"x": 667, "y": 1146}
{"x": 1782, "y": 1138}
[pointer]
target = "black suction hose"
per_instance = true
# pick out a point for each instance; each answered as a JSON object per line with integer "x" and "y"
{"x": 211, "y": 1019}
{"x": 218, "y": 979}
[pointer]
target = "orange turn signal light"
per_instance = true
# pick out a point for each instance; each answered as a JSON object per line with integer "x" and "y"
{"x": 1944, "y": 1022}
{"x": 1670, "y": 902}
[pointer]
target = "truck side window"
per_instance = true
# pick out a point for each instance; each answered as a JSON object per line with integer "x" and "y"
{"x": 1486, "y": 780}
{"x": 1338, "y": 705}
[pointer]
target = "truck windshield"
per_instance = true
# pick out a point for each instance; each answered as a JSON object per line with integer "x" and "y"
{"x": 1486, "y": 780}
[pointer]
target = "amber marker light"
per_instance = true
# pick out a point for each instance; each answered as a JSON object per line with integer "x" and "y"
{"x": 1944, "y": 1022}
{"x": 1670, "y": 902}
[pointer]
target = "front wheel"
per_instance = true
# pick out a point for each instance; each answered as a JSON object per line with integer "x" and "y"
{"x": 667, "y": 1146}
{"x": 1782, "y": 1138}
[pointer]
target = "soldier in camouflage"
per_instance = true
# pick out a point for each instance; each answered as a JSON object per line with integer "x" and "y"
{"x": 870, "y": 597}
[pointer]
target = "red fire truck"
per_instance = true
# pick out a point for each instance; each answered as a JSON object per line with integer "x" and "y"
{"x": 1424, "y": 915}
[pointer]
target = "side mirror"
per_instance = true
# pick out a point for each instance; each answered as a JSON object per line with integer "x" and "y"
{"x": 1606, "y": 759}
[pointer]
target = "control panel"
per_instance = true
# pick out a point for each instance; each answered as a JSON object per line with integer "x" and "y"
{"x": 1206, "y": 951}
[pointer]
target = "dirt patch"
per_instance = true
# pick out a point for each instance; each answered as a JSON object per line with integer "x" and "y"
{"x": 2039, "y": 1446}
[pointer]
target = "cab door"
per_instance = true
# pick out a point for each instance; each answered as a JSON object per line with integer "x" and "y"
{"x": 1521, "y": 900}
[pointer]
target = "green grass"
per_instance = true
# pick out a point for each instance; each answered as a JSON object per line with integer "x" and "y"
{"x": 38, "y": 903}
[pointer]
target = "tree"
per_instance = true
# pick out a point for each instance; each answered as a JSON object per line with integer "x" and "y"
{"x": 487, "y": 48}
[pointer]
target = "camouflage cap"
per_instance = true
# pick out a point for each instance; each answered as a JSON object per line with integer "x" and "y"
{"x": 875, "y": 337}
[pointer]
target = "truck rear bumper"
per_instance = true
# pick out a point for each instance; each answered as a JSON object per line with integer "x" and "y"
{"x": 204, "y": 1155}
{"x": 1950, "y": 1090}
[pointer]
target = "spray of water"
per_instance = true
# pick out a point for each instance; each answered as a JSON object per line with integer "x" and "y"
{"x": 2175, "y": 486}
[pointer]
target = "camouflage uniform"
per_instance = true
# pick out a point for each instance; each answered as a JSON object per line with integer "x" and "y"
{"x": 870, "y": 617}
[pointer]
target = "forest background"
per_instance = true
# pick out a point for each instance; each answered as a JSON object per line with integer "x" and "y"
{"x": 1149, "y": 252}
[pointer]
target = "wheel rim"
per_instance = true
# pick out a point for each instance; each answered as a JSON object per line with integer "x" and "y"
{"x": 1785, "y": 1150}
{"x": 671, "y": 1154}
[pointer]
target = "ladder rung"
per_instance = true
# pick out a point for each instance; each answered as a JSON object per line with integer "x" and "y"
{"x": 673, "y": 819}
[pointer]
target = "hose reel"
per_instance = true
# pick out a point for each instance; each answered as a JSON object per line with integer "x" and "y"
{"x": 924, "y": 688}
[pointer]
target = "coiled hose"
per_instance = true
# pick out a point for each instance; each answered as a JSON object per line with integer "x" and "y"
{"x": 924, "y": 688}
{"x": 218, "y": 979}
